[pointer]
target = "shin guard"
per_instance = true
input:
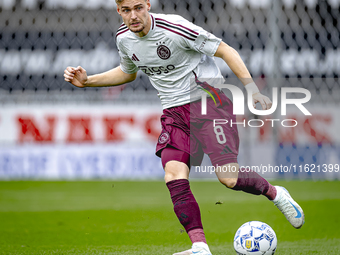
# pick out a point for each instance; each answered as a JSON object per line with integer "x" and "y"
{"x": 185, "y": 205}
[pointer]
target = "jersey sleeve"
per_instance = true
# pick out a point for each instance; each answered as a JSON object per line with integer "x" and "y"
{"x": 198, "y": 39}
{"x": 126, "y": 64}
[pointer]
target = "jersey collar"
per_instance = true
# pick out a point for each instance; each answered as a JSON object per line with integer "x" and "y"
{"x": 153, "y": 23}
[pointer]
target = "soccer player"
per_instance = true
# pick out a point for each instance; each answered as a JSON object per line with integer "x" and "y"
{"x": 176, "y": 54}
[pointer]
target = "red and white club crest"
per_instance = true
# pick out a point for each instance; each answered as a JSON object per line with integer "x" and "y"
{"x": 163, "y": 138}
{"x": 163, "y": 52}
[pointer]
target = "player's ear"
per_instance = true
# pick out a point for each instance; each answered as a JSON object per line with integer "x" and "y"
{"x": 118, "y": 8}
{"x": 148, "y": 4}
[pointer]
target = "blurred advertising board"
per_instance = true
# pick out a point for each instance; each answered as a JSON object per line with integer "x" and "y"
{"x": 116, "y": 141}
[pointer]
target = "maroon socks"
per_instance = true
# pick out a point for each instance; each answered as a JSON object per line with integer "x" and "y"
{"x": 188, "y": 212}
{"x": 197, "y": 235}
{"x": 251, "y": 182}
{"x": 186, "y": 209}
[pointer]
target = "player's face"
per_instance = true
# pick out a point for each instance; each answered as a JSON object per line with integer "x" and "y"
{"x": 135, "y": 14}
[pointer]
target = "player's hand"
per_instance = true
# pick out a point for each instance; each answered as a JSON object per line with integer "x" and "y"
{"x": 77, "y": 76}
{"x": 265, "y": 102}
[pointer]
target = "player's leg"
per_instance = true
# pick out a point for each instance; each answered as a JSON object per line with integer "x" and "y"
{"x": 176, "y": 166}
{"x": 174, "y": 148}
{"x": 248, "y": 181}
{"x": 244, "y": 179}
{"x": 221, "y": 143}
{"x": 227, "y": 174}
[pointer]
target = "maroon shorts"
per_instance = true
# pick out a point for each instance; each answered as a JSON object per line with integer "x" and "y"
{"x": 184, "y": 128}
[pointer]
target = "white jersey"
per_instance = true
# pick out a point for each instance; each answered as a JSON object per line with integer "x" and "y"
{"x": 169, "y": 54}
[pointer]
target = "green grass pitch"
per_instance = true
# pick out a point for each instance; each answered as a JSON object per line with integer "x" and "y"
{"x": 136, "y": 218}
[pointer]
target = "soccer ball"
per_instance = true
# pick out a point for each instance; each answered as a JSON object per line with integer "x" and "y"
{"x": 256, "y": 238}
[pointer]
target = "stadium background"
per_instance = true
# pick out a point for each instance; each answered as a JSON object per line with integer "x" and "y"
{"x": 57, "y": 134}
{"x": 51, "y": 130}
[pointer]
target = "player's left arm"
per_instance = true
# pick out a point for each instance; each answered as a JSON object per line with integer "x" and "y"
{"x": 236, "y": 64}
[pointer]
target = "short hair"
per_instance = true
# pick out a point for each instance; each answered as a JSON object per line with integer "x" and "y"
{"x": 120, "y": 1}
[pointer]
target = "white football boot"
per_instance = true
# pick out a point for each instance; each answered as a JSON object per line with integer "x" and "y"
{"x": 198, "y": 248}
{"x": 289, "y": 207}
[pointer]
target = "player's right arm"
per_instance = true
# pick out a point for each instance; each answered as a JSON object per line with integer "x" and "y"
{"x": 78, "y": 77}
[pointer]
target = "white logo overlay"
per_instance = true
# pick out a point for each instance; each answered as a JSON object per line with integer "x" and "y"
{"x": 238, "y": 106}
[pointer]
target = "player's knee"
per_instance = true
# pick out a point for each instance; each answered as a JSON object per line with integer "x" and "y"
{"x": 228, "y": 182}
{"x": 170, "y": 176}
{"x": 173, "y": 175}
{"x": 175, "y": 170}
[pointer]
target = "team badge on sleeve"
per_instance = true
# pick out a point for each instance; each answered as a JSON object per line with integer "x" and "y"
{"x": 163, "y": 52}
{"x": 163, "y": 138}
